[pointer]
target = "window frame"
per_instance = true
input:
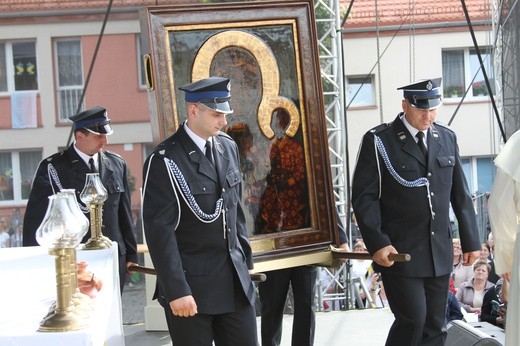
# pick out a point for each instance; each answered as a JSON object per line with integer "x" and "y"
{"x": 468, "y": 74}
{"x": 141, "y": 77}
{"x": 371, "y": 85}
{"x": 61, "y": 118}
{"x": 9, "y": 66}
{"x": 17, "y": 176}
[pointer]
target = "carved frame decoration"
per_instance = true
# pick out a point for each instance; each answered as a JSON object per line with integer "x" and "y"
{"x": 269, "y": 52}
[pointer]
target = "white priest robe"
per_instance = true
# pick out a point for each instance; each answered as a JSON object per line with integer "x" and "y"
{"x": 504, "y": 217}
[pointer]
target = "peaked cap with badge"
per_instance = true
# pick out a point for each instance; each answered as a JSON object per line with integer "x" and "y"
{"x": 94, "y": 120}
{"x": 212, "y": 92}
{"x": 423, "y": 94}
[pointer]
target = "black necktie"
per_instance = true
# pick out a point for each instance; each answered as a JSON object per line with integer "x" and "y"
{"x": 92, "y": 165}
{"x": 208, "y": 152}
{"x": 420, "y": 136}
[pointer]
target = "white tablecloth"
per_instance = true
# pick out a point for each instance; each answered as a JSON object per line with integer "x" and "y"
{"x": 28, "y": 289}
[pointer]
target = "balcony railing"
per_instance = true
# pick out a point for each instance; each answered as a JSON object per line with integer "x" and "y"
{"x": 68, "y": 100}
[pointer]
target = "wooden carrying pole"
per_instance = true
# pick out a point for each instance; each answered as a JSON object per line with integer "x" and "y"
{"x": 256, "y": 277}
{"x": 340, "y": 254}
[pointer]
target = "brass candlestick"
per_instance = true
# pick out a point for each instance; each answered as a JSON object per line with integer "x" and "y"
{"x": 94, "y": 195}
{"x": 61, "y": 231}
{"x": 65, "y": 317}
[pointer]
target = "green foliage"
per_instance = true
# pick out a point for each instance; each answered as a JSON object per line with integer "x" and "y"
{"x": 131, "y": 180}
{"x": 480, "y": 89}
{"x": 454, "y": 91}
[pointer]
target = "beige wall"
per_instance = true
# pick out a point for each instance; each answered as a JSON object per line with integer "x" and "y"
{"x": 113, "y": 84}
{"x": 474, "y": 123}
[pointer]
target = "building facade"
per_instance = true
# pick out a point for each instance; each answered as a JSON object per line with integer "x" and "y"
{"x": 53, "y": 63}
{"x": 51, "y": 53}
{"x": 424, "y": 40}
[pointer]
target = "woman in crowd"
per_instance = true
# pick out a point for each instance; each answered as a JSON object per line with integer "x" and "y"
{"x": 460, "y": 273}
{"x": 470, "y": 294}
{"x": 361, "y": 270}
{"x": 494, "y": 307}
{"x": 485, "y": 255}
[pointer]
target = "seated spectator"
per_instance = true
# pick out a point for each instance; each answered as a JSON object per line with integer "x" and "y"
{"x": 361, "y": 270}
{"x": 453, "y": 308}
{"x": 470, "y": 294}
{"x": 5, "y": 238}
{"x": 377, "y": 291}
{"x": 493, "y": 307}
{"x": 485, "y": 255}
{"x": 17, "y": 237}
{"x": 460, "y": 273}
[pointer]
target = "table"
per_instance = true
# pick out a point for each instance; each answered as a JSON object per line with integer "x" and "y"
{"x": 28, "y": 289}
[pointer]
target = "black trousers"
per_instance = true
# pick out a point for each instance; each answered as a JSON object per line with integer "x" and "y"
{"x": 419, "y": 307}
{"x": 273, "y": 294}
{"x": 122, "y": 272}
{"x": 227, "y": 329}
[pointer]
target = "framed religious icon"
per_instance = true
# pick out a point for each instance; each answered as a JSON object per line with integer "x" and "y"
{"x": 268, "y": 50}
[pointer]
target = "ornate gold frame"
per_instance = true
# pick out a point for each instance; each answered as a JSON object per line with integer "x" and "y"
{"x": 269, "y": 51}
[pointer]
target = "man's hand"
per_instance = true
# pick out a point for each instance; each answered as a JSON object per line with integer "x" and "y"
{"x": 468, "y": 258}
{"x": 128, "y": 265}
{"x": 346, "y": 248}
{"x": 184, "y": 306}
{"x": 381, "y": 256}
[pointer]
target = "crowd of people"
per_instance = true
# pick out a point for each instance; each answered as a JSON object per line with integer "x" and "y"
{"x": 193, "y": 216}
{"x": 11, "y": 232}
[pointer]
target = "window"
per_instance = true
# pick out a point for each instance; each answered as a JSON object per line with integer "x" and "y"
{"x": 18, "y": 68}
{"x": 69, "y": 77}
{"x": 360, "y": 91}
{"x": 140, "y": 65}
{"x": 461, "y": 68}
{"x": 480, "y": 173}
{"x": 17, "y": 171}
{"x": 3, "y": 69}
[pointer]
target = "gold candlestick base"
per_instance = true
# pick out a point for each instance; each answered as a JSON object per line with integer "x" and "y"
{"x": 63, "y": 321}
{"x": 64, "y": 317}
{"x": 97, "y": 243}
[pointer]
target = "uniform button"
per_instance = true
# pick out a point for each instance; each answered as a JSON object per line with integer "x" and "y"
{"x": 203, "y": 189}
{"x": 223, "y": 190}
{"x": 429, "y": 174}
{"x": 433, "y": 233}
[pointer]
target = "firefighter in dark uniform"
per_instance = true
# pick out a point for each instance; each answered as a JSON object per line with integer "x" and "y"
{"x": 67, "y": 169}
{"x": 401, "y": 195}
{"x": 195, "y": 226}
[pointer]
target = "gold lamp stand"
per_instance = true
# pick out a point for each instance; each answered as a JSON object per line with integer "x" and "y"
{"x": 94, "y": 195}
{"x": 65, "y": 316}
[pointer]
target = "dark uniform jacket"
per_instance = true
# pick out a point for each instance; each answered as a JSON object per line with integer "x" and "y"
{"x": 191, "y": 256}
{"x": 389, "y": 213}
{"x": 71, "y": 173}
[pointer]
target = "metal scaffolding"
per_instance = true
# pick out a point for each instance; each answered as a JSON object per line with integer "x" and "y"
{"x": 330, "y": 40}
{"x": 506, "y": 24}
{"x": 331, "y": 62}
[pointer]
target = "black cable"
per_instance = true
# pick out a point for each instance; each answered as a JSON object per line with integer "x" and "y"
{"x": 488, "y": 85}
{"x": 98, "y": 44}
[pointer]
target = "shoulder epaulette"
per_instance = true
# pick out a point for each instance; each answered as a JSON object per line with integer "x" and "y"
{"x": 111, "y": 153}
{"x": 447, "y": 127}
{"x": 379, "y": 128}
{"x": 55, "y": 156}
{"x": 225, "y": 135}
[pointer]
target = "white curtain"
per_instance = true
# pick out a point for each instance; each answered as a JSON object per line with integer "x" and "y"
{"x": 23, "y": 109}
